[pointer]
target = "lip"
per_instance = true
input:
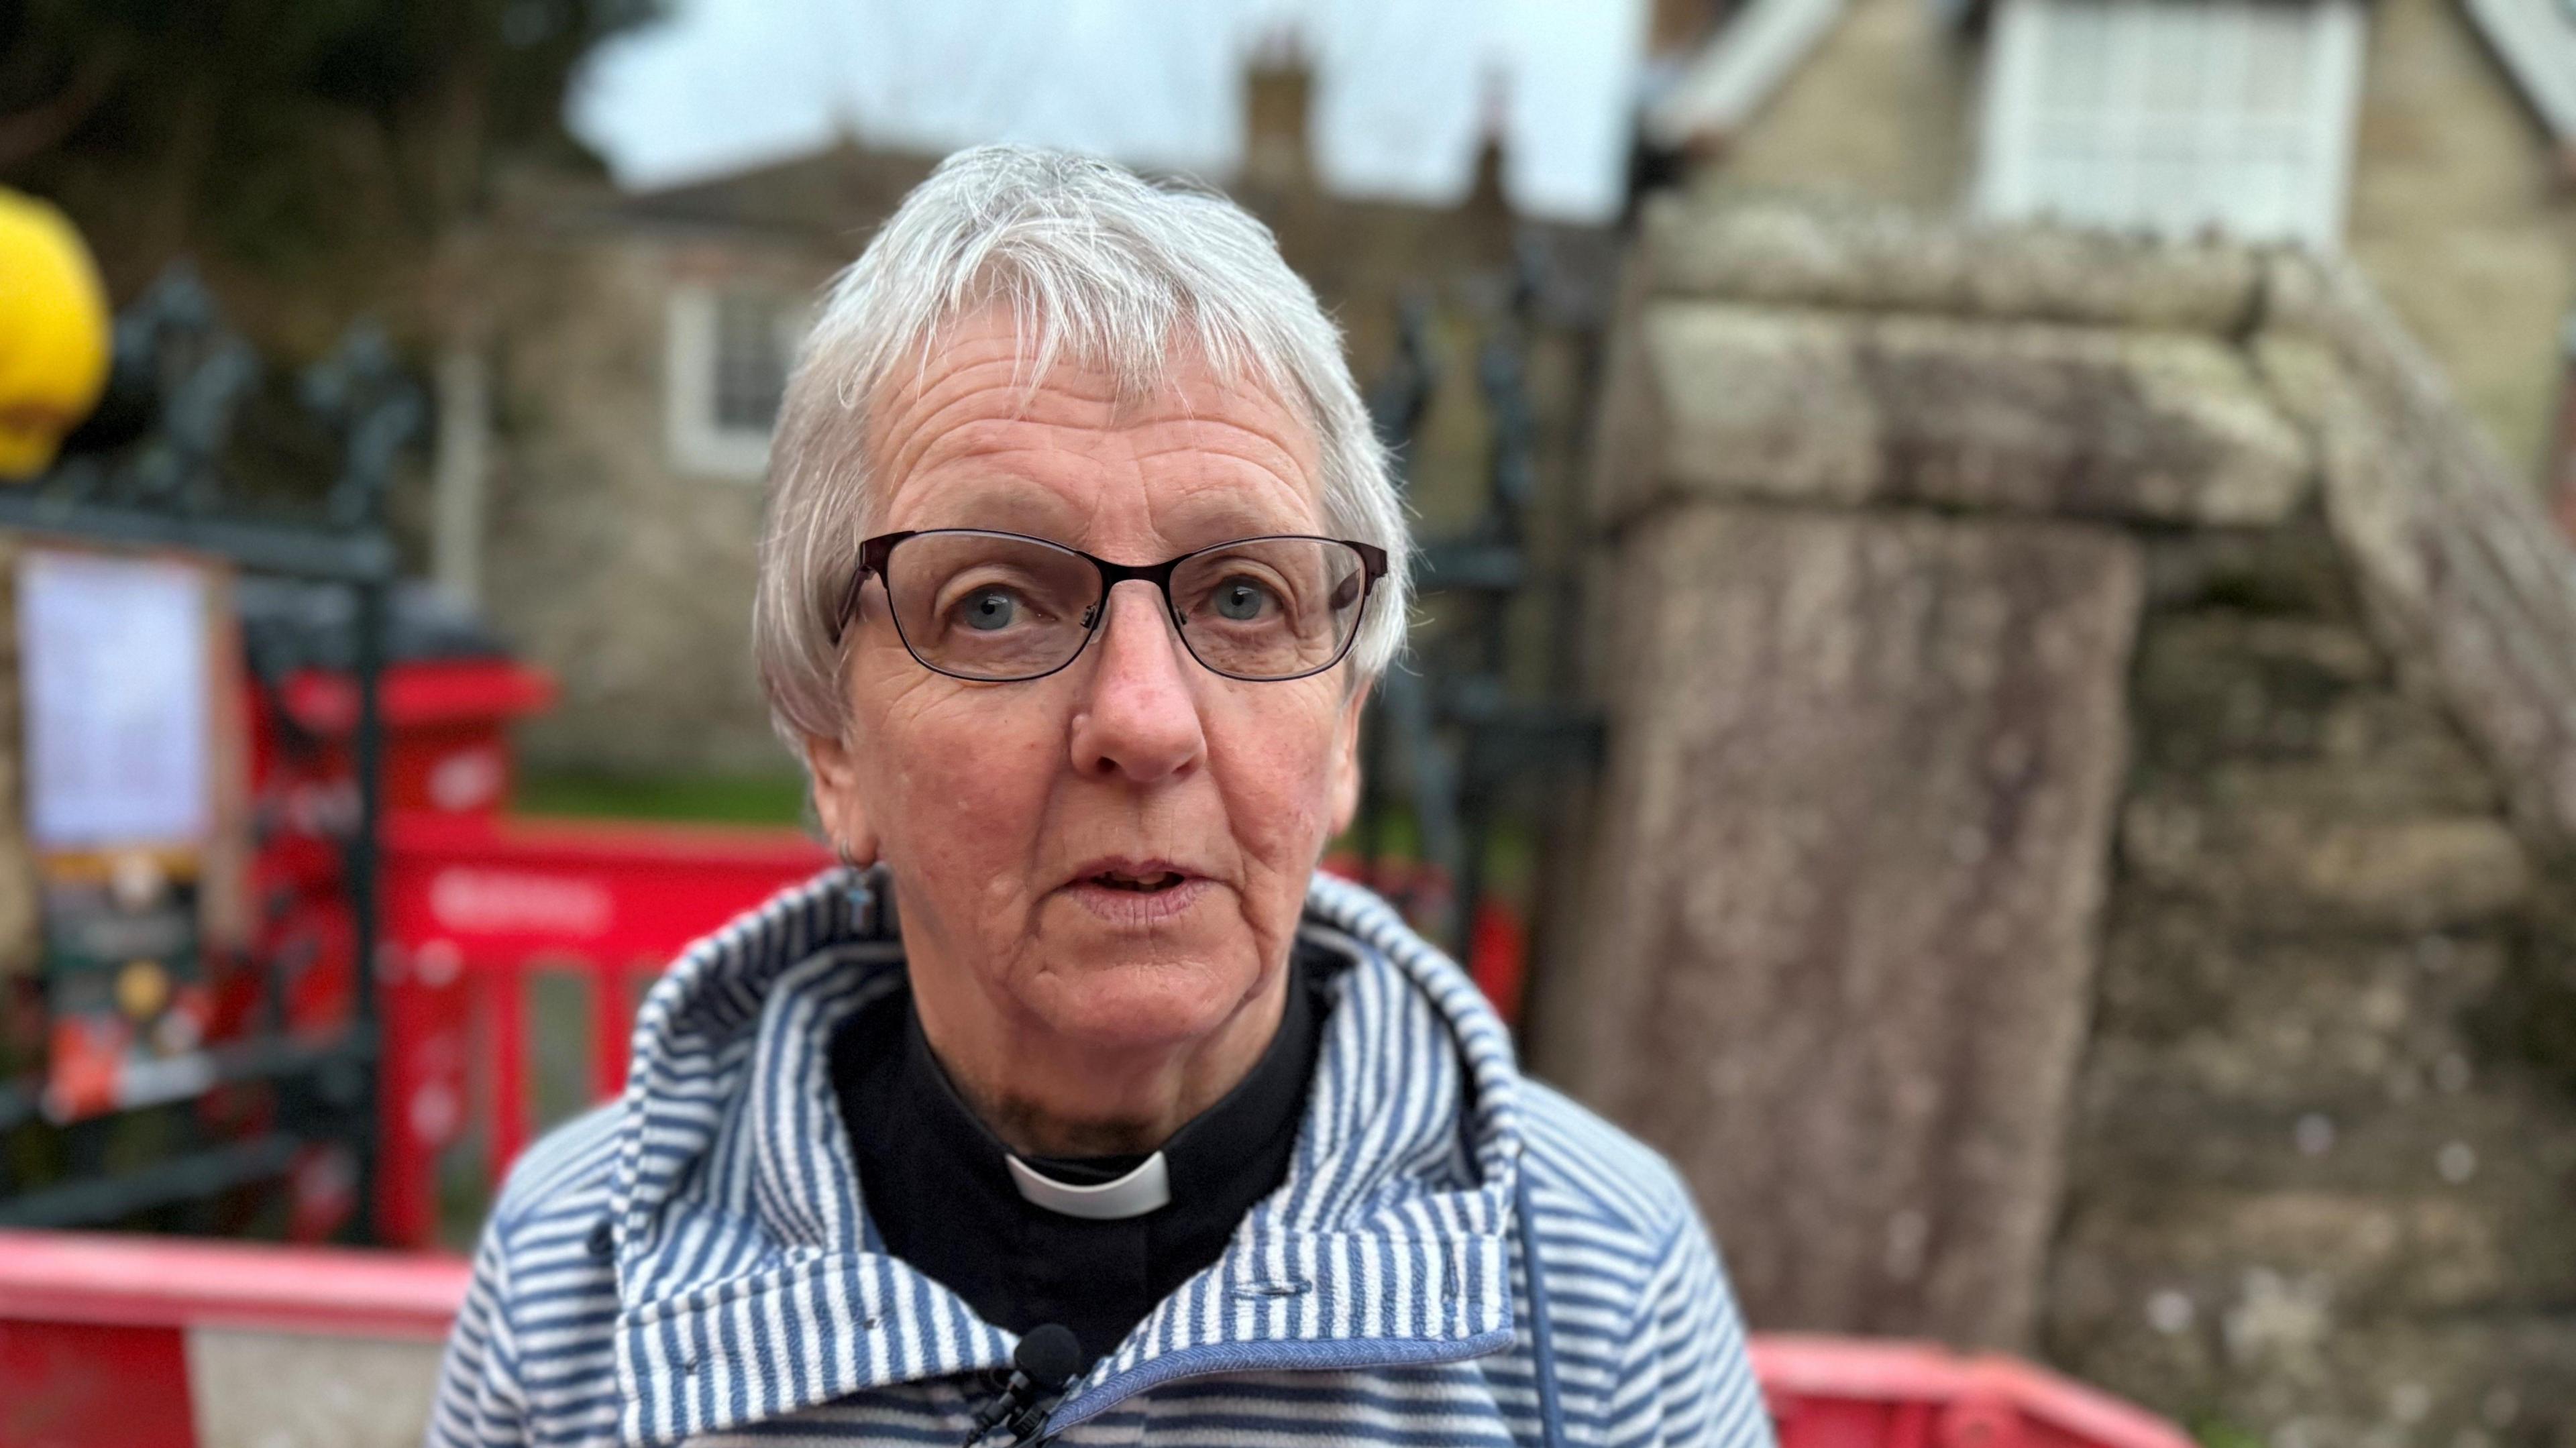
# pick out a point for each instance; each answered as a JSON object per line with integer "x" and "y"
{"x": 1135, "y": 867}
{"x": 1135, "y": 907}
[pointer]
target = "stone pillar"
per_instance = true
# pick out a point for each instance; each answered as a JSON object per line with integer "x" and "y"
{"x": 1874, "y": 515}
{"x": 1862, "y": 777}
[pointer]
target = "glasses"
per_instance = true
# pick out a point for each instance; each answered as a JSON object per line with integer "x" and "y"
{"x": 1003, "y": 608}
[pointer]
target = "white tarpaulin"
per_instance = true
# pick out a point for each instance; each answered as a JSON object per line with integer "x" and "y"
{"x": 1406, "y": 91}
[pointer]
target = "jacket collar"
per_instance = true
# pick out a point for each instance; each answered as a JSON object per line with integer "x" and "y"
{"x": 750, "y": 1285}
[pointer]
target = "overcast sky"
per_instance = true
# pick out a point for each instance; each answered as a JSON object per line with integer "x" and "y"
{"x": 1406, "y": 90}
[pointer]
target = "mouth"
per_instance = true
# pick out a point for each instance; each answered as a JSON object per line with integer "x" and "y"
{"x": 1145, "y": 886}
{"x": 1136, "y": 877}
{"x": 1136, "y": 892}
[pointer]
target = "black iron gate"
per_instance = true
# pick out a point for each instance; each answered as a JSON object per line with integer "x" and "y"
{"x": 160, "y": 474}
{"x": 1450, "y": 743}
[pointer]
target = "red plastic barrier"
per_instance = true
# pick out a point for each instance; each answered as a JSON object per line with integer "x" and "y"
{"x": 473, "y": 907}
{"x": 116, "y": 1342}
{"x": 1828, "y": 1392}
{"x": 447, "y": 747}
{"x": 119, "y": 1281}
{"x": 94, "y": 1330}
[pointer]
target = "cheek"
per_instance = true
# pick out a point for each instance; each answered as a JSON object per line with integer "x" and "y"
{"x": 1275, "y": 766}
{"x": 960, "y": 785}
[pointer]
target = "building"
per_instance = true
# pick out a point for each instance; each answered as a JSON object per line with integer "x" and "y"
{"x": 2427, "y": 139}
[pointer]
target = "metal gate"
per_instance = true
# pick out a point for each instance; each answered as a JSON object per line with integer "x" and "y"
{"x": 1450, "y": 743}
{"x": 161, "y": 474}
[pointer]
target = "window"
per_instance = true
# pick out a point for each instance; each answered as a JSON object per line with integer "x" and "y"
{"x": 2174, "y": 117}
{"x": 728, "y": 358}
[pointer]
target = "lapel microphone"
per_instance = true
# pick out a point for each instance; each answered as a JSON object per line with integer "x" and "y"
{"x": 1042, "y": 1366}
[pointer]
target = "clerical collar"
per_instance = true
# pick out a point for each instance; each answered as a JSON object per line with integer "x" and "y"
{"x": 1203, "y": 1156}
{"x": 1145, "y": 1188}
{"x": 1090, "y": 1242}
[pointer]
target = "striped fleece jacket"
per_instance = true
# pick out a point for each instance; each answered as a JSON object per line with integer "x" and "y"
{"x": 694, "y": 1262}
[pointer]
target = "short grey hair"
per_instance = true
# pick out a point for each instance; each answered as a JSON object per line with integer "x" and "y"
{"x": 1095, "y": 264}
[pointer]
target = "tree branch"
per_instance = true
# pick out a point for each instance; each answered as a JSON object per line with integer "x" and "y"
{"x": 27, "y": 134}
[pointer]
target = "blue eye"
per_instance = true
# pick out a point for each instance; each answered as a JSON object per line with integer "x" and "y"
{"x": 988, "y": 609}
{"x": 1240, "y": 600}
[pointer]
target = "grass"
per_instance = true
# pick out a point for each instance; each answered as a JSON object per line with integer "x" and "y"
{"x": 737, "y": 799}
{"x": 767, "y": 799}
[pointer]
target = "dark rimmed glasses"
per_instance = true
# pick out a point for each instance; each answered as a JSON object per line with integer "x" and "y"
{"x": 1000, "y": 608}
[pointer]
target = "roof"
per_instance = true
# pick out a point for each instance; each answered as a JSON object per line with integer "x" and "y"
{"x": 2536, "y": 41}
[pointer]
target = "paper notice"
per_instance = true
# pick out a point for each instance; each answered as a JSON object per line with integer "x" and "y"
{"x": 118, "y": 693}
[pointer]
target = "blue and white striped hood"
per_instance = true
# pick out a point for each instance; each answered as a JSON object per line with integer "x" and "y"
{"x": 750, "y": 1284}
{"x": 1457, "y": 1255}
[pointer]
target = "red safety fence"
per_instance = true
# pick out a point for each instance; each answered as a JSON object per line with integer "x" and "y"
{"x": 478, "y": 907}
{"x": 1832, "y": 1392}
{"x": 142, "y": 1343}
{"x": 136, "y": 1342}
{"x": 474, "y": 910}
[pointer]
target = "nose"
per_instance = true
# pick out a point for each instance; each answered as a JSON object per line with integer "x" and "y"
{"x": 1139, "y": 720}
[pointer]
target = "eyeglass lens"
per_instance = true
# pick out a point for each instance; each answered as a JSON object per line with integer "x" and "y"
{"x": 995, "y": 607}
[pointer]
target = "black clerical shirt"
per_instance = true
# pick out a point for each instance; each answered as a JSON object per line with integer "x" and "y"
{"x": 934, "y": 1183}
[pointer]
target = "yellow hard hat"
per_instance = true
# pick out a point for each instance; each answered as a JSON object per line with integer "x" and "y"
{"x": 54, "y": 332}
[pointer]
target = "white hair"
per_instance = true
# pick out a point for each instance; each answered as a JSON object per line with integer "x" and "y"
{"x": 1094, "y": 264}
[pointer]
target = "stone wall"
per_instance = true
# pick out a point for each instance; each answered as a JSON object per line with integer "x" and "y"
{"x": 1860, "y": 767}
{"x": 2311, "y": 1190}
{"x": 2085, "y": 865}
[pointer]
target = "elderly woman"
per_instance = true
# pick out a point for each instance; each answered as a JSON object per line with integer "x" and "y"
{"x": 1076, "y": 1106}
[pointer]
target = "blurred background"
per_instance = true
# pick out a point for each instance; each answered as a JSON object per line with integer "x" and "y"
{"x": 1996, "y": 673}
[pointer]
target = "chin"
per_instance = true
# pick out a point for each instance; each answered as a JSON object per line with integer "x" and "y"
{"x": 1142, "y": 1005}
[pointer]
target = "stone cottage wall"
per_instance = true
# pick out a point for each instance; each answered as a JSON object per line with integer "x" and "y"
{"x": 2461, "y": 217}
{"x": 2083, "y": 867}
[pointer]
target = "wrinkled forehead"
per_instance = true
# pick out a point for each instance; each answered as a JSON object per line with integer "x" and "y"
{"x": 993, "y": 404}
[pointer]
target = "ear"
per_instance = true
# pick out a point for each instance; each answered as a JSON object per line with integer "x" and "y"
{"x": 834, "y": 774}
{"x": 1346, "y": 760}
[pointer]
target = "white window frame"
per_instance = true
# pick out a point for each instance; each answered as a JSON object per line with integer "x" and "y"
{"x": 2010, "y": 181}
{"x": 700, "y": 442}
